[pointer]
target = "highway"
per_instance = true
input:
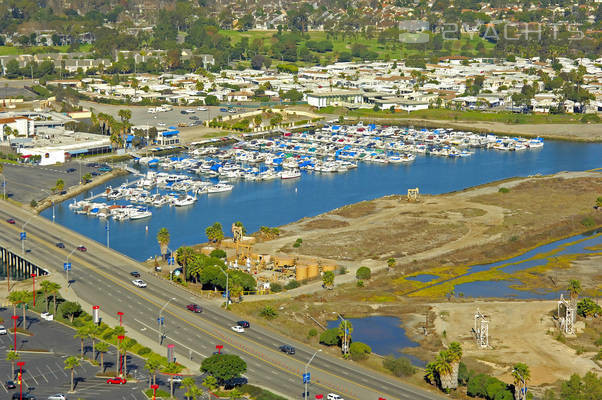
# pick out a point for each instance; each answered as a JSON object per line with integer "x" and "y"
{"x": 101, "y": 276}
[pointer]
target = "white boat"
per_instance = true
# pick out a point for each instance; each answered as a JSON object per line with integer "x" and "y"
{"x": 290, "y": 174}
{"x": 140, "y": 214}
{"x": 219, "y": 188}
{"x": 183, "y": 201}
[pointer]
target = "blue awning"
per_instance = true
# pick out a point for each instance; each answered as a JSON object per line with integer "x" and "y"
{"x": 80, "y": 151}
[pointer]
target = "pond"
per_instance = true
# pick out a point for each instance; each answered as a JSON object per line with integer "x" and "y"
{"x": 422, "y": 278}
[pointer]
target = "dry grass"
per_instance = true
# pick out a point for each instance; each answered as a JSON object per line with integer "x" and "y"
{"x": 356, "y": 210}
{"x": 325, "y": 223}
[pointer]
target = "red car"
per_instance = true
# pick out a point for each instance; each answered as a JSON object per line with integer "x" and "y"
{"x": 194, "y": 308}
{"x": 116, "y": 381}
{"x": 11, "y": 221}
{"x": 82, "y": 249}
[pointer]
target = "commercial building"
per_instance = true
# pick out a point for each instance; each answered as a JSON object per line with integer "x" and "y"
{"x": 334, "y": 98}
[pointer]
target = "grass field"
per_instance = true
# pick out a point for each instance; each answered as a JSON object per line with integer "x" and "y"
{"x": 12, "y": 50}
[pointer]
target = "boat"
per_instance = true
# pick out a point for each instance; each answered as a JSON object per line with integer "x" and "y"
{"x": 139, "y": 213}
{"x": 290, "y": 174}
{"x": 184, "y": 201}
{"x": 219, "y": 188}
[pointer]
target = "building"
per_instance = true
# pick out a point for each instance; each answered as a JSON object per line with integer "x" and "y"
{"x": 166, "y": 138}
{"x": 335, "y": 98}
{"x": 401, "y": 104}
{"x": 16, "y": 126}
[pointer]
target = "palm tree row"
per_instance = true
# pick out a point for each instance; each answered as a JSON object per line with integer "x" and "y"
{"x": 444, "y": 370}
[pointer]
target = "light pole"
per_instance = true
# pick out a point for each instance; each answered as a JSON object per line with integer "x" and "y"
{"x": 154, "y": 387}
{"x": 33, "y": 276}
{"x": 120, "y": 318}
{"x": 118, "y": 370}
{"x": 522, "y": 394}
{"x": 21, "y": 364}
{"x": 305, "y": 376}
{"x": 52, "y": 201}
{"x": 3, "y": 187}
{"x": 67, "y": 265}
{"x": 227, "y": 291}
{"x": 160, "y": 321}
{"x": 345, "y": 347}
{"x": 23, "y": 235}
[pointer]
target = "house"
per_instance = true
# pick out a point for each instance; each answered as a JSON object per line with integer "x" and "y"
{"x": 334, "y": 98}
{"x": 168, "y": 137}
{"x": 401, "y": 104}
{"x": 17, "y": 125}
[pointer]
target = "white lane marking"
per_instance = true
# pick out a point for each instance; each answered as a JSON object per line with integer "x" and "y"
{"x": 167, "y": 337}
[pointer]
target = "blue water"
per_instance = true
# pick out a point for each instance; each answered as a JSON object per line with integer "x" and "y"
{"x": 280, "y": 202}
{"x": 385, "y": 335}
{"x": 422, "y": 278}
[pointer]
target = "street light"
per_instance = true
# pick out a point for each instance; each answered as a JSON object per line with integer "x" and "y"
{"x": 159, "y": 321}
{"x": 33, "y": 276}
{"x": 154, "y": 387}
{"x": 227, "y": 291}
{"x": 23, "y": 236}
{"x": 345, "y": 347}
{"x": 15, "y": 318}
{"x": 118, "y": 370}
{"x": 120, "y": 318}
{"x": 67, "y": 265}
{"x": 49, "y": 194}
{"x": 20, "y": 380}
{"x": 305, "y": 376}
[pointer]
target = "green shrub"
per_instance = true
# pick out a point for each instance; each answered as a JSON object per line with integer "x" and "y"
{"x": 276, "y": 287}
{"x": 330, "y": 337}
{"x": 504, "y": 190}
{"x": 160, "y": 393}
{"x": 144, "y": 351}
{"x": 588, "y": 222}
{"x": 359, "y": 351}
{"x": 363, "y": 273}
{"x": 399, "y": 366}
{"x": 218, "y": 253}
{"x": 359, "y": 284}
{"x": 312, "y": 332}
{"x": 588, "y": 308}
{"x": 258, "y": 393}
{"x": 268, "y": 312}
{"x": 292, "y": 285}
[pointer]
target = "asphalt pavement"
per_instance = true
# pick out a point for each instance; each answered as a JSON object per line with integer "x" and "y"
{"x": 101, "y": 276}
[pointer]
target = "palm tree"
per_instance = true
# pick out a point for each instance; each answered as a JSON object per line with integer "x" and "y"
{"x": 71, "y": 363}
{"x": 93, "y": 332}
{"x": 574, "y": 288}
{"x": 188, "y": 383}
{"x": 184, "y": 256}
{"x": 521, "y": 374}
{"x": 430, "y": 373}
{"x": 12, "y": 356}
{"x": 345, "y": 325}
{"x": 163, "y": 240}
{"x": 15, "y": 298}
{"x": 194, "y": 391}
{"x": 124, "y": 346}
{"x": 391, "y": 263}
{"x": 444, "y": 369}
{"x": 102, "y": 348}
{"x": 152, "y": 366}
{"x": 25, "y": 299}
{"x": 83, "y": 332}
{"x": 455, "y": 355}
{"x": 45, "y": 285}
{"x": 171, "y": 369}
{"x": 53, "y": 289}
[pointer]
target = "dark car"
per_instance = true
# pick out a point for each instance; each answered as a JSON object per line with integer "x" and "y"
{"x": 234, "y": 382}
{"x": 244, "y": 324}
{"x": 60, "y": 245}
{"x": 71, "y": 170}
{"x": 288, "y": 349}
{"x": 10, "y": 385}
{"x": 135, "y": 274}
{"x": 82, "y": 249}
{"x": 194, "y": 308}
{"x": 94, "y": 173}
{"x": 25, "y": 396}
{"x": 11, "y": 221}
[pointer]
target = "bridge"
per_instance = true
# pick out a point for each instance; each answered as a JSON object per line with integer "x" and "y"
{"x": 101, "y": 276}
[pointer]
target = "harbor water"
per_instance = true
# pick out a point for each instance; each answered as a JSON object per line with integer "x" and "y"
{"x": 279, "y": 202}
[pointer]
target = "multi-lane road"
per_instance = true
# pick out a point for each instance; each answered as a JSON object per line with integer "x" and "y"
{"x": 101, "y": 276}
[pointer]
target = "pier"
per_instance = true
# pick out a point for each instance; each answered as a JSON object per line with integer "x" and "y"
{"x": 18, "y": 266}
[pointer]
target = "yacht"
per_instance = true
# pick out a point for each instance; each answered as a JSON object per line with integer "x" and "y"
{"x": 183, "y": 201}
{"x": 140, "y": 213}
{"x": 290, "y": 174}
{"x": 219, "y": 188}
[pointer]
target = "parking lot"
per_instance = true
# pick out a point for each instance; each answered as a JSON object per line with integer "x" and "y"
{"x": 44, "y": 373}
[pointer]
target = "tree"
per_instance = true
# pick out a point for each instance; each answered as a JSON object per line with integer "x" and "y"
{"x": 163, "y": 240}
{"x": 71, "y": 363}
{"x": 215, "y": 232}
{"x": 345, "y": 330}
{"x": 19, "y": 297}
{"x": 574, "y": 288}
{"x": 359, "y": 351}
{"x": 12, "y": 356}
{"x": 171, "y": 369}
{"x": 268, "y": 312}
{"x": 328, "y": 279}
{"x": 59, "y": 185}
{"x": 152, "y": 365}
{"x": 53, "y": 289}
{"x": 224, "y": 366}
{"x": 521, "y": 375}
{"x": 455, "y": 355}
{"x": 391, "y": 263}
{"x": 102, "y": 348}
{"x": 70, "y": 309}
{"x": 444, "y": 368}
{"x": 185, "y": 255}
{"x": 430, "y": 373}
{"x": 363, "y": 273}
{"x": 93, "y": 332}
{"x": 83, "y": 332}
{"x": 401, "y": 366}
{"x": 588, "y": 308}
{"x": 330, "y": 337}
{"x": 188, "y": 383}
{"x": 87, "y": 178}
{"x": 124, "y": 347}
{"x": 210, "y": 383}
{"x": 46, "y": 287}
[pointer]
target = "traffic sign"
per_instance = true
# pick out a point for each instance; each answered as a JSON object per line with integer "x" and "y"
{"x": 23, "y": 236}
{"x": 67, "y": 266}
{"x": 306, "y": 378}
{"x": 170, "y": 261}
{"x": 161, "y": 320}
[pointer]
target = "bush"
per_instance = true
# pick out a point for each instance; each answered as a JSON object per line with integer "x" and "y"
{"x": 218, "y": 253}
{"x": 144, "y": 351}
{"x": 587, "y": 308}
{"x": 292, "y": 285}
{"x": 276, "y": 287}
{"x": 258, "y": 393}
{"x": 359, "y": 351}
{"x": 33, "y": 203}
{"x": 160, "y": 393}
{"x": 330, "y": 337}
{"x": 399, "y": 366}
{"x": 359, "y": 284}
{"x": 463, "y": 374}
{"x": 504, "y": 190}
{"x": 268, "y": 312}
{"x": 588, "y": 222}
{"x": 312, "y": 332}
{"x": 363, "y": 273}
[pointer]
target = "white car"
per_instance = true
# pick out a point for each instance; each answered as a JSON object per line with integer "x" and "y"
{"x": 201, "y": 109}
{"x": 139, "y": 283}
{"x": 58, "y": 396}
{"x": 3, "y": 330}
{"x": 47, "y": 316}
{"x": 238, "y": 328}
{"x": 175, "y": 379}
{"x": 332, "y": 396}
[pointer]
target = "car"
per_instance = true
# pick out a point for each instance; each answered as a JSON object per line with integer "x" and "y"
{"x": 71, "y": 170}
{"x": 234, "y": 382}
{"x": 94, "y": 173}
{"x": 238, "y": 328}
{"x": 11, "y": 221}
{"x": 82, "y": 249}
{"x": 47, "y": 316}
{"x": 161, "y": 124}
{"x": 333, "y": 396}
{"x": 288, "y": 349}
{"x": 117, "y": 381}
{"x": 3, "y": 330}
{"x": 175, "y": 379}
{"x": 201, "y": 109}
{"x": 10, "y": 385}
{"x": 60, "y": 245}
{"x": 105, "y": 168}
{"x": 244, "y": 324}
{"x": 58, "y": 396}
{"x": 24, "y": 396}
{"x": 139, "y": 283}
{"x": 194, "y": 308}
{"x": 223, "y": 110}
{"x": 135, "y": 274}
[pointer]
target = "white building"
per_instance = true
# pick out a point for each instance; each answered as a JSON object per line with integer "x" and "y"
{"x": 165, "y": 138}
{"x": 19, "y": 125}
{"x": 334, "y": 98}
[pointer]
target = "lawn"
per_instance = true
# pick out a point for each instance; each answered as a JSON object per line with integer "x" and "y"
{"x": 12, "y": 50}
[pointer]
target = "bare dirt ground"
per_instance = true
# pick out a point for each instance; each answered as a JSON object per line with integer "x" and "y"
{"x": 518, "y": 332}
